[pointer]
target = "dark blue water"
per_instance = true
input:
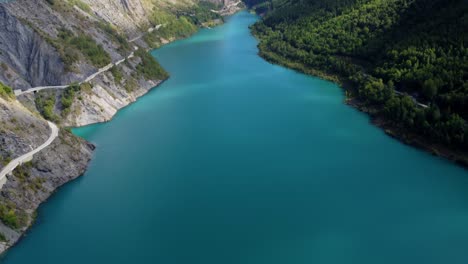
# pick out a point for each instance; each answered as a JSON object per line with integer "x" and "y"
{"x": 235, "y": 160}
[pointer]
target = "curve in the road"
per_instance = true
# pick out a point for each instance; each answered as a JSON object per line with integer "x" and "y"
{"x": 92, "y": 76}
{"x": 54, "y": 129}
{"x": 28, "y": 156}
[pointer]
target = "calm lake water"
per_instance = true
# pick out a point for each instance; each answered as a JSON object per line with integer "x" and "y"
{"x": 235, "y": 160}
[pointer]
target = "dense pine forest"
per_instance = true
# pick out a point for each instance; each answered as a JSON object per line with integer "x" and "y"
{"x": 405, "y": 61}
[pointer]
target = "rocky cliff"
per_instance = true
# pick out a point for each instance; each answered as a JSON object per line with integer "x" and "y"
{"x": 96, "y": 51}
{"x": 33, "y": 182}
{"x": 26, "y": 59}
{"x": 20, "y": 131}
{"x": 54, "y": 43}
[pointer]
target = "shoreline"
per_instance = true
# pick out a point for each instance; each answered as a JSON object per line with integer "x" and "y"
{"x": 150, "y": 50}
{"x": 404, "y": 136}
{"x": 5, "y": 246}
{"x": 56, "y": 181}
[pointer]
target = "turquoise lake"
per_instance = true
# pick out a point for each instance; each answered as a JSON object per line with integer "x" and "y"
{"x": 235, "y": 160}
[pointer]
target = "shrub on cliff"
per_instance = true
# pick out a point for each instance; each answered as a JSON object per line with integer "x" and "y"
{"x": 11, "y": 216}
{"x": 6, "y": 91}
{"x": 45, "y": 104}
{"x": 149, "y": 67}
{"x": 86, "y": 45}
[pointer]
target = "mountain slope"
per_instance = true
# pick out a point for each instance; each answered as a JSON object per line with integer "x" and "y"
{"x": 33, "y": 182}
{"x": 89, "y": 58}
{"x": 405, "y": 60}
{"x": 56, "y": 43}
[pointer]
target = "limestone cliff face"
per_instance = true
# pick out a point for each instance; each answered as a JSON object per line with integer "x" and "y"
{"x": 128, "y": 15}
{"x": 27, "y": 60}
{"x": 29, "y": 56}
{"x": 104, "y": 100}
{"x": 33, "y": 52}
{"x": 32, "y": 183}
{"x": 20, "y": 131}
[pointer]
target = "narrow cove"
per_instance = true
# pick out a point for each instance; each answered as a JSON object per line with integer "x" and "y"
{"x": 235, "y": 160}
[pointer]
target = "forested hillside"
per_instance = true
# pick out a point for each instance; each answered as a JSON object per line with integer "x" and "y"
{"x": 405, "y": 60}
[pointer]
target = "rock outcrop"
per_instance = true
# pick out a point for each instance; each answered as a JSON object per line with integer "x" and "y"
{"x": 127, "y": 15}
{"x": 20, "y": 131}
{"x": 27, "y": 59}
{"x": 32, "y": 183}
{"x": 60, "y": 43}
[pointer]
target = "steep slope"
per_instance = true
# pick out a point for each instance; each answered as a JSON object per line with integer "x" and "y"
{"x": 33, "y": 182}
{"x": 26, "y": 59}
{"x": 20, "y": 131}
{"x": 89, "y": 58}
{"x": 66, "y": 42}
{"x": 404, "y": 61}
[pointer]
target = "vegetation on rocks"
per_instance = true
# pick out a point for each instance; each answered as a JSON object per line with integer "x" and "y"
{"x": 5, "y": 91}
{"x": 45, "y": 104}
{"x": 117, "y": 74}
{"x": 149, "y": 68}
{"x": 86, "y": 45}
{"x": 115, "y": 35}
{"x": 68, "y": 97}
{"x": 179, "y": 22}
{"x": 12, "y": 216}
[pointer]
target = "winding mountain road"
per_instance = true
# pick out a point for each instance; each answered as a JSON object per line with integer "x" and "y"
{"x": 88, "y": 79}
{"x": 54, "y": 129}
{"x": 149, "y": 31}
{"x": 94, "y": 75}
{"x": 28, "y": 156}
{"x": 412, "y": 98}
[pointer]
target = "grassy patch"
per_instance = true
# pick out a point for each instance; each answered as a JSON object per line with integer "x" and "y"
{"x": 130, "y": 85}
{"x": 86, "y": 45}
{"x": 149, "y": 68}
{"x": 2, "y": 237}
{"x": 115, "y": 35}
{"x": 83, "y": 6}
{"x": 68, "y": 96}
{"x": 6, "y": 92}
{"x": 45, "y": 104}
{"x": 117, "y": 73}
{"x": 22, "y": 172}
{"x": 11, "y": 216}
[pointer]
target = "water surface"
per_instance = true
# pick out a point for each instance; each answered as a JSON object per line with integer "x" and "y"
{"x": 235, "y": 160}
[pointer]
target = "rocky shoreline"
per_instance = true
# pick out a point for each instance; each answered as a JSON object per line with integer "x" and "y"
{"x": 68, "y": 156}
{"x": 34, "y": 182}
{"x": 409, "y": 138}
{"x": 389, "y": 128}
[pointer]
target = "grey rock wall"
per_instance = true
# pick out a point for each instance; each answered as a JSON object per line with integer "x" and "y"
{"x": 33, "y": 61}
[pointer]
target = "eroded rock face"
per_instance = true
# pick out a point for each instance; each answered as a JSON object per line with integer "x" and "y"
{"x": 127, "y": 15}
{"x": 29, "y": 57}
{"x": 20, "y": 131}
{"x": 32, "y": 59}
{"x": 31, "y": 184}
{"x": 106, "y": 98}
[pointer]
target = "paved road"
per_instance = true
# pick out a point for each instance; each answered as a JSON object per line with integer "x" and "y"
{"x": 149, "y": 31}
{"x": 36, "y": 89}
{"x": 94, "y": 75}
{"x": 54, "y": 129}
{"x": 413, "y": 98}
{"x": 88, "y": 79}
{"x": 226, "y": 8}
{"x": 28, "y": 156}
